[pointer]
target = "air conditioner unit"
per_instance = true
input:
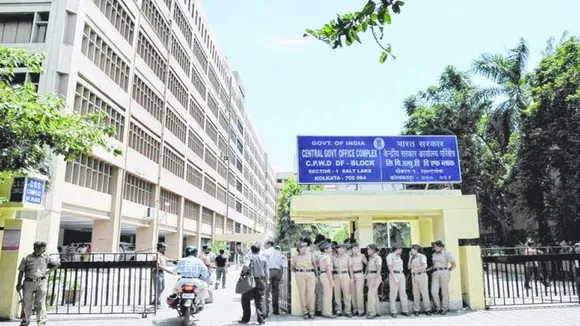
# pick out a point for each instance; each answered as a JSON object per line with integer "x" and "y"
{"x": 151, "y": 212}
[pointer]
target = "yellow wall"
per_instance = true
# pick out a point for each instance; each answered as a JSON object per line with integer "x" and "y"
{"x": 446, "y": 215}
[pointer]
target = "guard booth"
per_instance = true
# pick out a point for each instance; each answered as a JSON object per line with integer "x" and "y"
{"x": 445, "y": 215}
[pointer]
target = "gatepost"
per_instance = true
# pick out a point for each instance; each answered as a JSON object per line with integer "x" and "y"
{"x": 24, "y": 193}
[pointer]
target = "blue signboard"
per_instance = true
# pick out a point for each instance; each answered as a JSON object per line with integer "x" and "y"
{"x": 391, "y": 159}
{"x": 27, "y": 190}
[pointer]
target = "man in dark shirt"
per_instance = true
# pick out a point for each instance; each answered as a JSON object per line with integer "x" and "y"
{"x": 259, "y": 270}
{"x": 221, "y": 269}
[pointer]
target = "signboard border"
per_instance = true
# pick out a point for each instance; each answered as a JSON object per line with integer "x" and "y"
{"x": 382, "y": 182}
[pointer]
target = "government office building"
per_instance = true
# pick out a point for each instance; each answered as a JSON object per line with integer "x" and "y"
{"x": 193, "y": 166}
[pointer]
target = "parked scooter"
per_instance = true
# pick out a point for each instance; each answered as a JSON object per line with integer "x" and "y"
{"x": 184, "y": 301}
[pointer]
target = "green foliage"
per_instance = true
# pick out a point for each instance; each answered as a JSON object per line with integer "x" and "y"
{"x": 33, "y": 126}
{"x": 288, "y": 233}
{"x": 341, "y": 234}
{"x": 346, "y": 28}
{"x": 400, "y": 233}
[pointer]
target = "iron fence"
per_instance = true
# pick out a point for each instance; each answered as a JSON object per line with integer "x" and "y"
{"x": 514, "y": 251}
{"x": 512, "y": 279}
{"x": 104, "y": 284}
{"x": 285, "y": 295}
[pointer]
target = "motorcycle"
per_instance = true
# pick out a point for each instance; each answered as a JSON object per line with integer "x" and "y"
{"x": 184, "y": 302}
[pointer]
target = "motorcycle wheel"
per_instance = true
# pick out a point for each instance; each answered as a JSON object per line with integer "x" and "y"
{"x": 186, "y": 315}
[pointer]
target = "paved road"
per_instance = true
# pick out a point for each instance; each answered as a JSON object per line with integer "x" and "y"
{"x": 226, "y": 311}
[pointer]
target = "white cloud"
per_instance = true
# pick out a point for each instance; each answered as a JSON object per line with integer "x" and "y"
{"x": 290, "y": 42}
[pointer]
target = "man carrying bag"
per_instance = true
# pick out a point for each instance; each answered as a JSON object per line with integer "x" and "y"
{"x": 252, "y": 285}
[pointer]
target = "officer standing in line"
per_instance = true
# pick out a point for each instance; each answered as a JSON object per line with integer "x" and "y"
{"x": 34, "y": 270}
{"x": 397, "y": 284}
{"x": 319, "y": 240}
{"x": 443, "y": 264}
{"x": 342, "y": 282}
{"x": 374, "y": 280}
{"x": 357, "y": 280}
{"x": 417, "y": 267}
{"x": 303, "y": 267}
{"x": 326, "y": 280}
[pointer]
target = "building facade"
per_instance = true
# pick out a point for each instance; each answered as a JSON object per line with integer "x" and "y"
{"x": 192, "y": 164}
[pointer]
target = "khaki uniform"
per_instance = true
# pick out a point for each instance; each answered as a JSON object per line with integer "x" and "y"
{"x": 325, "y": 264}
{"x": 440, "y": 279}
{"x": 306, "y": 281}
{"x": 341, "y": 283}
{"x": 35, "y": 269}
{"x": 357, "y": 287}
{"x": 420, "y": 282}
{"x": 317, "y": 254}
{"x": 397, "y": 284}
{"x": 374, "y": 267}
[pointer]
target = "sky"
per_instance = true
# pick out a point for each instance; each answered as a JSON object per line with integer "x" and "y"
{"x": 299, "y": 86}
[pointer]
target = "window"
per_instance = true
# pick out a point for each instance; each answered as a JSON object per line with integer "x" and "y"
{"x": 151, "y": 56}
{"x": 177, "y": 88}
{"x": 137, "y": 190}
{"x": 239, "y": 164}
{"x": 167, "y": 197}
{"x": 194, "y": 175}
{"x": 181, "y": 57}
{"x": 16, "y": 28}
{"x": 118, "y": 16}
{"x": 195, "y": 143}
{"x": 147, "y": 98}
{"x": 144, "y": 143}
{"x": 213, "y": 80}
{"x": 240, "y": 126}
{"x": 207, "y": 216}
{"x": 87, "y": 102}
{"x": 209, "y": 185}
{"x": 224, "y": 96}
{"x": 156, "y": 20}
{"x": 210, "y": 158}
{"x": 198, "y": 83}
{"x": 89, "y": 172}
{"x": 240, "y": 146}
{"x": 221, "y": 194}
{"x": 238, "y": 227}
{"x": 191, "y": 210}
{"x": 222, "y": 169}
{"x": 223, "y": 120}
{"x": 104, "y": 57}
{"x": 199, "y": 54}
{"x": 219, "y": 221}
{"x": 213, "y": 106}
{"x": 168, "y": 3}
{"x": 175, "y": 124}
{"x": 211, "y": 131}
{"x": 173, "y": 162}
{"x": 196, "y": 112}
{"x": 239, "y": 185}
{"x": 223, "y": 145}
{"x": 182, "y": 24}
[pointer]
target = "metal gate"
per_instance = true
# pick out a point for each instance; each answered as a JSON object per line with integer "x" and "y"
{"x": 522, "y": 280}
{"x": 104, "y": 284}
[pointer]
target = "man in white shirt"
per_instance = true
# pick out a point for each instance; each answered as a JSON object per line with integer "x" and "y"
{"x": 275, "y": 261}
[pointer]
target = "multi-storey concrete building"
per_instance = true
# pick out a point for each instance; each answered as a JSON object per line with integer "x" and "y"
{"x": 193, "y": 165}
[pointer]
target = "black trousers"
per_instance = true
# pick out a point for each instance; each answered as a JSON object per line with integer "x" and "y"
{"x": 274, "y": 288}
{"x": 257, "y": 294}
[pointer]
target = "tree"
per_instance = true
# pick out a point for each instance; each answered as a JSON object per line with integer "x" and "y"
{"x": 33, "y": 127}
{"x": 400, "y": 233}
{"x": 345, "y": 29}
{"x": 341, "y": 234}
{"x": 549, "y": 154}
{"x": 288, "y": 233}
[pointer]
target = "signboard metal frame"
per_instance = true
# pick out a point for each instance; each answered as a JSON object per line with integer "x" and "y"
{"x": 358, "y": 182}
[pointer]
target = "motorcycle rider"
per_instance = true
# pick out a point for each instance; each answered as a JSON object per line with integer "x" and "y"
{"x": 192, "y": 270}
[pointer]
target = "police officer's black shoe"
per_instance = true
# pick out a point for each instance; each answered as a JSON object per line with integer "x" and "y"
{"x": 371, "y": 316}
{"x": 311, "y": 316}
{"x": 416, "y": 313}
{"x": 394, "y": 315}
{"x": 428, "y": 313}
{"x": 305, "y": 316}
{"x": 443, "y": 312}
{"x": 406, "y": 314}
{"x": 348, "y": 315}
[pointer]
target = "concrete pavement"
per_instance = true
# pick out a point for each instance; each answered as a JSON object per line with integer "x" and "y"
{"x": 226, "y": 310}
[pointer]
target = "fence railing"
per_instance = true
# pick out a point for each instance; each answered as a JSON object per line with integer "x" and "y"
{"x": 510, "y": 251}
{"x": 285, "y": 294}
{"x": 531, "y": 279}
{"x": 104, "y": 284}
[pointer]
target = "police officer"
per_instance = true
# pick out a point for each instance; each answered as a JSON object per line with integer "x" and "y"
{"x": 34, "y": 270}
{"x": 342, "y": 277}
{"x": 420, "y": 280}
{"x": 374, "y": 280}
{"x": 303, "y": 267}
{"x": 319, "y": 240}
{"x": 443, "y": 263}
{"x": 357, "y": 280}
{"x": 397, "y": 284}
{"x": 326, "y": 279}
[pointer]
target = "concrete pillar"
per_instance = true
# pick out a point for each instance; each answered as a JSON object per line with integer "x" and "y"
{"x": 426, "y": 232}
{"x": 146, "y": 240}
{"x": 199, "y": 227}
{"x": 107, "y": 233}
{"x": 415, "y": 232}
{"x": 48, "y": 226}
{"x": 22, "y": 235}
{"x": 365, "y": 230}
{"x": 174, "y": 244}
